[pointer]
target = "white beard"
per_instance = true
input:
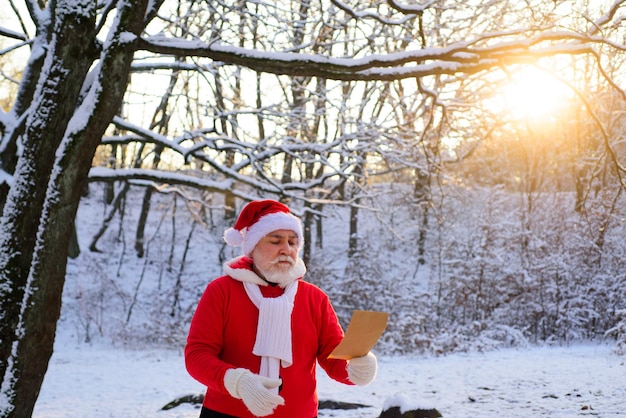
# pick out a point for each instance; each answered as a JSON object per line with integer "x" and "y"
{"x": 282, "y": 276}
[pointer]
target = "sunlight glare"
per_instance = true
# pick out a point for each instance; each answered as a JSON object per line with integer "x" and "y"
{"x": 534, "y": 95}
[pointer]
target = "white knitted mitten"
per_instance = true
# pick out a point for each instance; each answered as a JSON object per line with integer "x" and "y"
{"x": 253, "y": 390}
{"x": 362, "y": 370}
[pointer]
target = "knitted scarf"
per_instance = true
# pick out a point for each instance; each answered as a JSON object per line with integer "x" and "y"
{"x": 273, "y": 336}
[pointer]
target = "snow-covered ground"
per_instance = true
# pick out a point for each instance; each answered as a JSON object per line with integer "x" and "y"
{"x": 100, "y": 380}
{"x": 105, "y": 379}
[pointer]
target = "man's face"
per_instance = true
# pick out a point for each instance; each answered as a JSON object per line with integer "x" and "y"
{"x": 276, "y": 253}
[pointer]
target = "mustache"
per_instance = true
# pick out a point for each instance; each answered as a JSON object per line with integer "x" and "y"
{"x": 282, "y": 258}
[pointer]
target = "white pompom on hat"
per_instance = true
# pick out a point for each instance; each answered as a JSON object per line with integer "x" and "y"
{"x": 257, "y": 219}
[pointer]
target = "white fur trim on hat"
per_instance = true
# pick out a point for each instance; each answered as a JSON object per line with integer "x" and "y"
{"x": 269, "y": 223}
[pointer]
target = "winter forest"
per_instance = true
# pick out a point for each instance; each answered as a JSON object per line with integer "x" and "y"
{"x": 458, "y": 164}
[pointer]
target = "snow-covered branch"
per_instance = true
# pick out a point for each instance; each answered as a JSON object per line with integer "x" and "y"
{"x": 463, "y": 57}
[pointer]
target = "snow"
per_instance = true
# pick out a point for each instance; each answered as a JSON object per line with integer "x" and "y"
{"x": 104, "y": 378}
{"x": 98, "y": 379}
{"x": 122, "y": 375}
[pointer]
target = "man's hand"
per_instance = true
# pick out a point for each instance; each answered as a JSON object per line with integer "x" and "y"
{"x": 362, "y": 370}
{"x": 253, "y": 390}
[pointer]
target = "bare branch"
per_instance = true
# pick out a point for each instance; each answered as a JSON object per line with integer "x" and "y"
{"x": 458, "y": 58}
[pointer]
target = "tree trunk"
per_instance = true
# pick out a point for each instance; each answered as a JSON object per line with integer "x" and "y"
{"x": 52, "y": 107}
{"x": 43, "y": 205}
{"x": 9, "y": 151}
{"x": 353, "y": 239}
{"x": 116, "y": 205}
{"x": 422, "y": 195}
{"x": 145, "y": 208}
{"x": 307, "y": 221}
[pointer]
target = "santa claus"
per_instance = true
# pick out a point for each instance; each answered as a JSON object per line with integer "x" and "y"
{"x": 260, "y": 330}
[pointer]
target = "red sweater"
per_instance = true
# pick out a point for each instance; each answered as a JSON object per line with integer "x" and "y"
{"x": 223, "y": 333}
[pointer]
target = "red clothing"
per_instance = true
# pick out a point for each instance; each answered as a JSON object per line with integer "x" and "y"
{"x": 223, "y": 333}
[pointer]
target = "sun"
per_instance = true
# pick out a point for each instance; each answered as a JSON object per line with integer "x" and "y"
{"x": 533, "y": 95}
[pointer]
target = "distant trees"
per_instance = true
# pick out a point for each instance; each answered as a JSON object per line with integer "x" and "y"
{"x": 304, "y": 101}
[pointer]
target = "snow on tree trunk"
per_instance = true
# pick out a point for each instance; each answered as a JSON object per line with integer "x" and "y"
{"x": 65, "y": 67}
{"x": 60, "y": 139}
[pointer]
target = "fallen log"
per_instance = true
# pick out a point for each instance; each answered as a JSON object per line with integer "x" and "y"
{"x": 323, "y": 404}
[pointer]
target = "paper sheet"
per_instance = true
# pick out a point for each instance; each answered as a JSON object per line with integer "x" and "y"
{"x": 363, "y": 332}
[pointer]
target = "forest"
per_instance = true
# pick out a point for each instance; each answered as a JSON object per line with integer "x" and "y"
{"x": 459, "y": 164}
{"x": 484, "y": 279}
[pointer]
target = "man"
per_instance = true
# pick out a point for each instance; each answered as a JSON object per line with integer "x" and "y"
{"x": 259, "y": 330}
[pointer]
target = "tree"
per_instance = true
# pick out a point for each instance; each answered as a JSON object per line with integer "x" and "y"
{"x": 344, "y": 55}
{"x": 70, "y": 108}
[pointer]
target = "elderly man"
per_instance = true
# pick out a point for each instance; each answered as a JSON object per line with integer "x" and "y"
{"x": 259, "y": 330}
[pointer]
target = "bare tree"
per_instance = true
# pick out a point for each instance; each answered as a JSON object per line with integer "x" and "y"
{"x": 77, "y": 79}
{"x": 62, "y": 124}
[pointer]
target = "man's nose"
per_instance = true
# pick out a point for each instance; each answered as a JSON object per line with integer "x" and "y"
{"x": 285, "y": 248}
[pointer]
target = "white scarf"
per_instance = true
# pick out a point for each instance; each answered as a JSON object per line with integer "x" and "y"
{"x": 273, "y": 335}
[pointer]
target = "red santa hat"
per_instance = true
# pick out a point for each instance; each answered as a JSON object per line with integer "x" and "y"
{"x": 257, "y": 219}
